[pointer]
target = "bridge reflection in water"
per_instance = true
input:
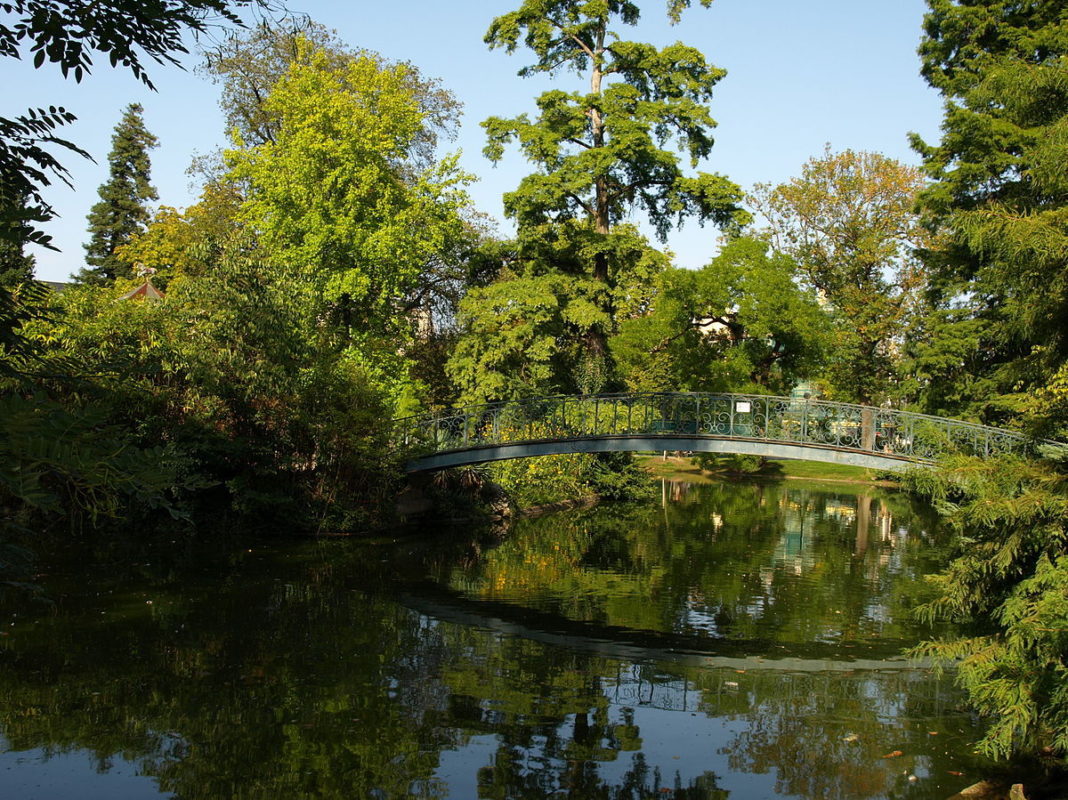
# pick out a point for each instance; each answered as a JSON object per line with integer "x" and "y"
{"x": 774, "y": 427}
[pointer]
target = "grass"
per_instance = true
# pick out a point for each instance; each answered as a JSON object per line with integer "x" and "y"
{"x": 684, "y": 468}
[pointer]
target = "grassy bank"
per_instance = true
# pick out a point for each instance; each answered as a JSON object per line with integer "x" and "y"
{"x": 686, "y": 468}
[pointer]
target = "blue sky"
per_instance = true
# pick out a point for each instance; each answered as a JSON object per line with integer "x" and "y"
{"x": 799, "y": 75}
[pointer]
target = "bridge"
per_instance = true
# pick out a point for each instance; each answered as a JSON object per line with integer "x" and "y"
{"x": 759, "y": 425}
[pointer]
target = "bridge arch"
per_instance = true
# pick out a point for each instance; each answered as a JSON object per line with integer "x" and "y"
{"x": 775, "y": 427}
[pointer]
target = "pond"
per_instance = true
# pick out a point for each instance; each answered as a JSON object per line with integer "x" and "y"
{"x": 726, "y": 640}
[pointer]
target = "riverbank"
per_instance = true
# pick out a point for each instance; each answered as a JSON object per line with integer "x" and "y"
{"x": 686, "y": 468}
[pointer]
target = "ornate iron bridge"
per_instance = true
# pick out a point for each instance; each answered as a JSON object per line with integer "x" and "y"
{"x": 776, "y": 427}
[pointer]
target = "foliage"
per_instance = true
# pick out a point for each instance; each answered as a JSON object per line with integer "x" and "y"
{"x": 602, "y": 153}
{"x": 62, "y": 459}
{"x": 187, "y": 242}
{"x": 230, "y": 368}
{"x": 121, "y": 213}
{"x": 248, "y": 65}
{"x": 999, "y": 194}
{"x": 282, "y": 343}
{"x": 848, "y": 220}
{"x": 1010, "y": 581}
{"x": 524, "y": 333}
{"x": 371, "y": 226}
{"x": 732, "y": 464}
{"x": 69, "y": 33}
{"x": 26, "y": 167}
{"x": 742, "y": 323}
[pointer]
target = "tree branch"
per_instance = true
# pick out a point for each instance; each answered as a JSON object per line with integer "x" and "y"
{"x": 581, "y": 202}
{"x": 582, "y": 45}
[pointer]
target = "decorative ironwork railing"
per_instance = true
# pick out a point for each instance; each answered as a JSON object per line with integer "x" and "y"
{"x": 883, "y": 431}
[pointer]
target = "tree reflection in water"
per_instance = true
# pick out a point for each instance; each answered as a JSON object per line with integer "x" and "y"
{"x": 701, "y": 650}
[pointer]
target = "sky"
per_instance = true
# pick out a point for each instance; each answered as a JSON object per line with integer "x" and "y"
{"x": 800, "y": 75}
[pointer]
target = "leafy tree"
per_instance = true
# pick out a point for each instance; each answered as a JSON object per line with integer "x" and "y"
{"x": 740, "y": 324}
{"x": 371, "y": 225}
{"x": 602, "y": 152}
{"x": 1000, "y": 193}
{"x": 187, "y": 242}
{"x": 235, "y": 371}
{"x": 248, "y": 65}
{"x": 998, "y": 200}
{"x": 121, "y": 212}
{"x": 69, "y": 33}
{"x": 848, "y": 220}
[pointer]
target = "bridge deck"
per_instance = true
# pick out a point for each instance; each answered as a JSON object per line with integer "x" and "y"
{"x": 775, "y": 427}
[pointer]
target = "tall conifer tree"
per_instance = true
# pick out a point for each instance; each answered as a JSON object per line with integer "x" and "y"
{"x": 16, "y": 266}
{"x": 121, "y": 211}
{"x": 1000, "y": 196}
{"x": 615, "y": 144}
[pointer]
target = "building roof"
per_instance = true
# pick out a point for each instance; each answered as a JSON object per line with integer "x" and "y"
{"x": 146, "y": 291}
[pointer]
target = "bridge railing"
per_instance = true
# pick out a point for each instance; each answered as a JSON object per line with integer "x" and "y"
{"x": 904, "y": 434}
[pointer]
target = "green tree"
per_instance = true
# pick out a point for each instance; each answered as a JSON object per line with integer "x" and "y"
{"x": 848, "y": 220}
{"x": 16, "y": 266}
{"x": 603, "y": 152}
{"x": 998, "y": 203}
{"x": 1000, "y": 192}
{"x": 526, "y": 332}
{"x": 247, "y": 66}
{"x": 742, "y": 323}
{"x": 337, "y": 198}
{"x": 121, "y": 213}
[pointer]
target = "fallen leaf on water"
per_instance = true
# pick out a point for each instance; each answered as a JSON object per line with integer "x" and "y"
{"x": 894, "y": 754}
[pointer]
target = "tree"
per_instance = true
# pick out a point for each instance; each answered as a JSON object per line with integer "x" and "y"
{"x": 1000, "y": 193}
{"x": 187, "y": 242}
{"x": 335, "y": 196}
{"x": 848, "y": 221}
{"x": 15, "y": 265}
{"x": 602, "y": 152}
{"x": 525, "y": 333}
{"x": 740, "y": 324}
{"x": 998, "y": 200}
{"x": 69, "y": 33}
{"x": 121, "y": 212}
{"x": 248, "y": 66}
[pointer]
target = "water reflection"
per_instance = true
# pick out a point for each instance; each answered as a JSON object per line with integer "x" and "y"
{"x": 716, "y": 647}
{"x": 785, "y": 570}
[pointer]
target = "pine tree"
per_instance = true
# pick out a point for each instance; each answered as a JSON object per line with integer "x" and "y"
{"x": 1000, "y": 191}
{"x": 15, "y": 265}
{"x": 999, "y": 202}
{"x": 121, "y": 211}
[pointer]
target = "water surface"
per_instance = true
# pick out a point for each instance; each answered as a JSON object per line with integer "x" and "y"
{"x": 736, "y": 641}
